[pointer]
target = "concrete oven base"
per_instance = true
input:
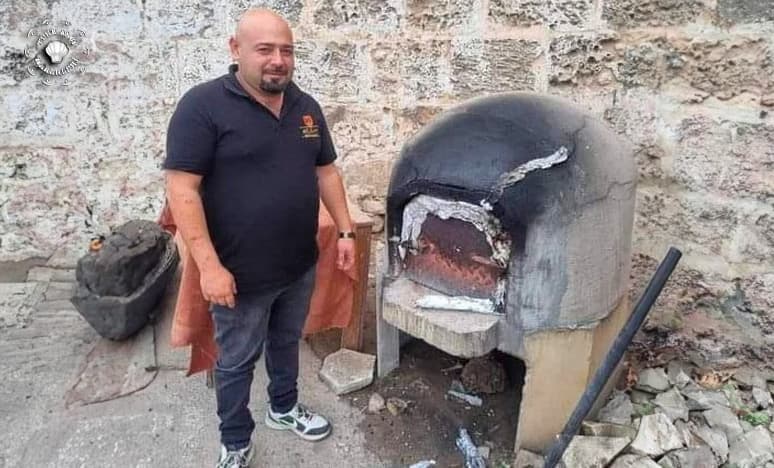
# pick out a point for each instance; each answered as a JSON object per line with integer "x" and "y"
{"x": 559, "y": 363}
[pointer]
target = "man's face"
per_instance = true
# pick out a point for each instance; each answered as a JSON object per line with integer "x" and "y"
{"x": 263, "y": 49}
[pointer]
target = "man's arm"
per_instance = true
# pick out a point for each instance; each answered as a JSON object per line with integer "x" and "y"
{"x": 335, "y": 200}
{"x": 217, "y": 283}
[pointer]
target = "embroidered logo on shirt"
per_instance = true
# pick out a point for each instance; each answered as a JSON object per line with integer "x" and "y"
{"x": 309, "y": 129}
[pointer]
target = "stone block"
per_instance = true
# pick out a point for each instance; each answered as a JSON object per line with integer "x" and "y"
{"x": 100, "y": 20}
{"x": 634, "y": 461}
{"x": 176, "y": 19}
{"x": 362, "y": 134}
{"x": 118, "y": 317}
{"x": 425, "y": 71}
{"x": 760, "y": 290}
{"x": 752, "y": 449}
{"x": 16, "y": 305}
{"x": 551, "y": 13}
{"x": 59, "y": 291}
{"x": 745, "y": 11}
{"x": 409, "y": 121}
{"x": 704, "y": 224}
{"x": 590, "y": 452}
{"x": 545, "y": 406}
{"x": 725, "y": 157}
{"x": 33, "y": 116}
{"x": 289, "y": 9}
{"x": 409, "y": 72}
{"x": 366, "y": 177}
{"x": 724, "y": 68}
{"x": 441, "y": 15}
{"x": 639, "y": 13}
{"x": 527, "y": 459}
{"x": 618, "y": 410}
{"x": 369, "y": 16}
{"x": 198, "y": 61}
{"x": 656, "y": 436}
{"x": 724, "y": 419}
{"x": 124, "y": 260}
{"x": 118, "y": 61}
{"x": 330, "y": 70}
{"x": 582, "y": 59}
{"x": 461, "y": 334}
{"x": 590, "y": 428}
{"x": 493, "y": 65}
{"x": 13, "y": 66}
{"x": 18, "y": 17}
{"x": 346, "y": 371}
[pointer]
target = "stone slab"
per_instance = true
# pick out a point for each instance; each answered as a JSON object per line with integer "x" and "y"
{"x": 346, "y": 371}
{"x": 590, "y": 452}
{"x": 115, "y": 369}
{"x": 464, "y": 334}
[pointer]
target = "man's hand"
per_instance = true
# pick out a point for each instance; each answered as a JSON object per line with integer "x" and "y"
{"x": 218, "y": 286}
{"x": 346, "y": 254}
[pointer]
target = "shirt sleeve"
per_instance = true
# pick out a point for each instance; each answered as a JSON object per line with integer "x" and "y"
{"x": 191, "y": 137}
{"x": 327, "y": 151}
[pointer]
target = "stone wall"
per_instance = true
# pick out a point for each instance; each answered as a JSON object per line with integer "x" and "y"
{"x": 690, "y": 82}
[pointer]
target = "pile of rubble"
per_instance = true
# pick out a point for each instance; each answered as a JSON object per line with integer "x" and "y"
{"x": 668, "y": 419}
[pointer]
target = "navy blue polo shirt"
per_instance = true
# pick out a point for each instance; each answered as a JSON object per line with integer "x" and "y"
{"x": 259, "y": 184}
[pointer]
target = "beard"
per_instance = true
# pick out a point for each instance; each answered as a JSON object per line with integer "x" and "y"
{"x": 275, "y": 85}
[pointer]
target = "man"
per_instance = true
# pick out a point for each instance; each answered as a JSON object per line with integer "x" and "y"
{"x": 249, "y": 157}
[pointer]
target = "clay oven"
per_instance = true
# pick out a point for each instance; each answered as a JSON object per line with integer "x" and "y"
{"x": 509, "y": 224}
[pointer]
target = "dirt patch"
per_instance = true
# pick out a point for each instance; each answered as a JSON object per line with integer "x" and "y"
{"x": 427, "y": 429}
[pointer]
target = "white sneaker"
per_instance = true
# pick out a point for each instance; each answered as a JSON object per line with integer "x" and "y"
{"x": 236, "y": 458}
{"x": 303, "y": 423}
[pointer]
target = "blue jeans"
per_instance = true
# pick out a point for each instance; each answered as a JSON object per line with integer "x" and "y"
{"x": 275, "y": 318}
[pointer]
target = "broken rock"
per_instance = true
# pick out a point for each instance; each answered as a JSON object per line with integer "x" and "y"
{"x": 678, "y": 374}
{"x": 653, "y": 380}
{"x": 752, "y": 449}
{"x": 673, "y": 405}
{"x": 375, "y": 403}
{"x": 656, "y": 436}
{"x": 484, "y": 375}
{"x": 124, "y": 259}
{"x": 722, "y": 418}
{"x": 396, "y": 406}
{"x": 639, "y": 397}
{"x": 121, "y": 283}
{"x": 634, "y": 461}
{"x": 747, "y": 377}
{"x": 715, "y": 439}
{"x": 618, "y": 410}
{"x": 697, "y": 457}
{"x": 593, "y": 452}
{"x": 700, "y": 400}
{"x": 762, "y": 398}
{"x": 346, "y": 371}
{"x": 527, "y": 459}
{"x": 599, "y": 429}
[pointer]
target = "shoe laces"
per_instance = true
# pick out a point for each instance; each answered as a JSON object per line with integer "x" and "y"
{"x": 302, "y": 413}
{"x": 233, "y": 459}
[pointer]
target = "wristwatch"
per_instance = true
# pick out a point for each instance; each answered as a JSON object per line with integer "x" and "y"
{"x": 346, "y": 235}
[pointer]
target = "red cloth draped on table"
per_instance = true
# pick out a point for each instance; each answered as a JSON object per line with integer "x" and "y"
{"x": 192, "y": 325}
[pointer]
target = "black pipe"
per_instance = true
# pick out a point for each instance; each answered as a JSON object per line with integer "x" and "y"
{"x": 613, "y": 357}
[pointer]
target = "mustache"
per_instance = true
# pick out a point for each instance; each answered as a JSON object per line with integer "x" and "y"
{"x": 275, "y": 70}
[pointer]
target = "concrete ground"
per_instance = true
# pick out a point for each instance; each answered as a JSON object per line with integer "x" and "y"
{"x": 71, "y": 399}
